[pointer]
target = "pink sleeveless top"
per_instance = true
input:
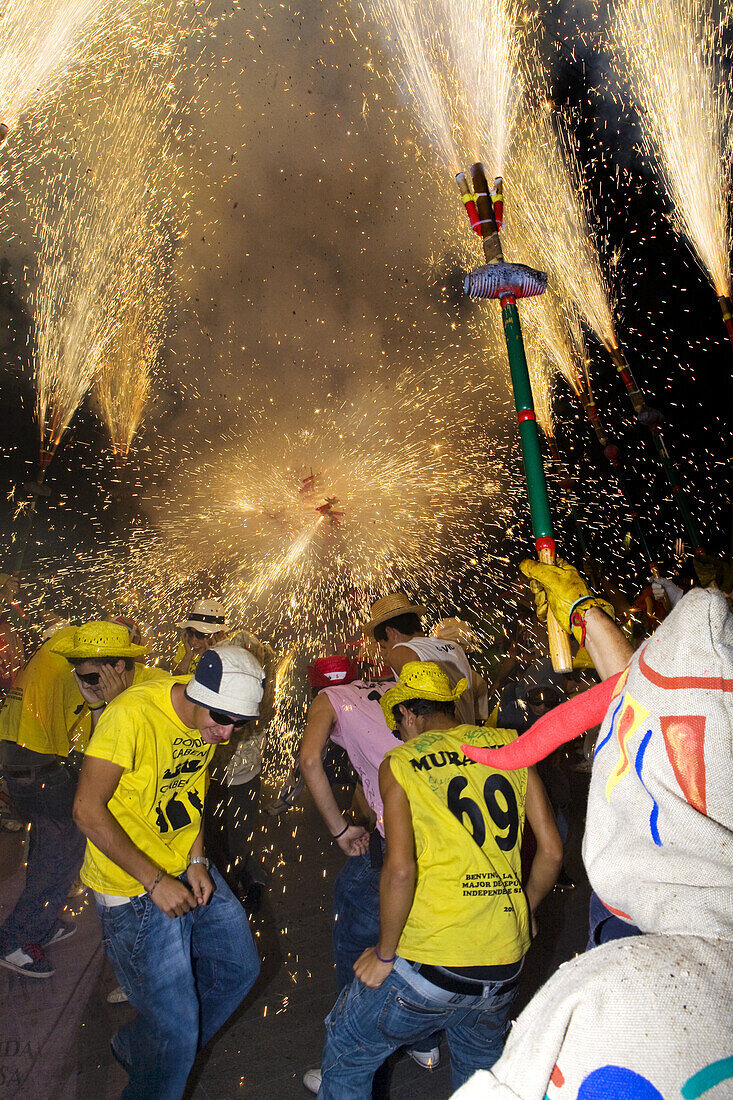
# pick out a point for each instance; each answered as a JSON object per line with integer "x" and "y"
{"x": 361, "y": 729}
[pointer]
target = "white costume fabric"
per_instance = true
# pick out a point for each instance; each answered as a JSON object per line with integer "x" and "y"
{"x": 649, "y": 1017}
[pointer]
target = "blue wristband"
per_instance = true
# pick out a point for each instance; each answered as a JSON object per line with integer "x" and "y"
{"x": 583, "y": 599}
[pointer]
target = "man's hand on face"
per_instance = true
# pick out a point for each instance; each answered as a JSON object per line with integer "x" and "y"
{"x": 113, "y": 683}
{"x": 200, "y": 882}
{"x": 172, "y": 897}
{"x": 370, "y": 970}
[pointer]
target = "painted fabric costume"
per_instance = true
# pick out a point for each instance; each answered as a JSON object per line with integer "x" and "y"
{"x": 648, "y": 1017}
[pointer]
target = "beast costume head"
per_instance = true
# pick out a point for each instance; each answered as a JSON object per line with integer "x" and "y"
{"x": 658, "y": 845}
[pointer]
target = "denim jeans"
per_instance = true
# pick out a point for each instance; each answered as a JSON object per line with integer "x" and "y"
{"x": 184, "y": 976}
{"x": 605, "y": 926}
{"x": 355, "y": 915}
{"x": 366, "y": 1025}
{"x": 46, "y": 799}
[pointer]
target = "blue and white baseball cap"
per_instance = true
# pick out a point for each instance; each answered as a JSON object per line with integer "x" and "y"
{"x": 228, "y": 679}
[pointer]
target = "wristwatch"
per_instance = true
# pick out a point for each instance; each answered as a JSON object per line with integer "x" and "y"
{"x": 199, "y": 859}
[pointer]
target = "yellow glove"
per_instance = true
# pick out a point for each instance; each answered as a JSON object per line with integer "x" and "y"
{"x": 563, "y": 587}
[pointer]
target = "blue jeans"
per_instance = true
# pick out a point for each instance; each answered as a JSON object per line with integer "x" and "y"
{"x": 46, "y": 799}
{"x": 366, "y": 1025}
{"x": 605, "y": 926}
{"x": 184, "y": 976}
{"x": 355, "y": 915}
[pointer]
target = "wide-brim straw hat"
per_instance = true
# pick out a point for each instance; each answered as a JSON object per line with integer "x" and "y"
{"x": 207, "y": 617}
{"x": 420, "y": 680}
{"x": 389, "y": 607}
{"x": 98, "y": 639}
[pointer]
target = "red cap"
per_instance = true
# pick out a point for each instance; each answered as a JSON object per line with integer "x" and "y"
{"x": 332, "y": 671}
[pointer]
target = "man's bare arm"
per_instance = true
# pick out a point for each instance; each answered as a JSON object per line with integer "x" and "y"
{"x": 320, "y": 722}
{"x": 609, "y": 649}
{"x": 548, "y": 857}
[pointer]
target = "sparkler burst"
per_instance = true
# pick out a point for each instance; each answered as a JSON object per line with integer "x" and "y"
{"x": 550, "y": 224}
{"x": 41, "y": 40}
{"x": 99, "y": 230}
{"x": 669, "y": 53}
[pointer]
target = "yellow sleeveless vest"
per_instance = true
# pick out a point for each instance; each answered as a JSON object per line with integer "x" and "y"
{"x": 469, "y": 907}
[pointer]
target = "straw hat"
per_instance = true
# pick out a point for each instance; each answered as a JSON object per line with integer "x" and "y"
{"x": 98, "y": 639}
{"x": 420, "y": 680}
{"x": 207, "y": 616}
{"x": 389, "y": 607}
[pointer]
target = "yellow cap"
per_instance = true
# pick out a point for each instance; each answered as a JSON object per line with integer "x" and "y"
{"x": 420, "y": 680}
{"x": 98, "y": 639}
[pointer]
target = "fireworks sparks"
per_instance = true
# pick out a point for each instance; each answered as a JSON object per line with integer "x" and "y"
{"x": 40, "y": 41}
{"x": 669, "y": 52}
{"x": 97, "y": 295}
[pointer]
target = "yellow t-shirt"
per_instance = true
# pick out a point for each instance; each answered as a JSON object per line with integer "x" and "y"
{"x": 181, "y": 653}
{"x": 33, "y": 713}
{"x": 160, "y": 797}
{"x": 45, "y": 712}
{"x": 469, "y": 908}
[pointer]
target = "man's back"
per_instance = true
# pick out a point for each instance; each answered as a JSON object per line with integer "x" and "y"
{"x": 469, "y": 907}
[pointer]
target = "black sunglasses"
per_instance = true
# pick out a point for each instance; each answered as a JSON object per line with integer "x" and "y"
{"x": 89, "y": 678}
{"x": 226, "y": 719}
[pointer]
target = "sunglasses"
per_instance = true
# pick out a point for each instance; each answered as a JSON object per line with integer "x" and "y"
{"x": 91, "y": 679}
{"x": 226, "y": 719}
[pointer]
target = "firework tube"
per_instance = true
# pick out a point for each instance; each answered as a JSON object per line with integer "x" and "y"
{"x": 469, "y": 201}
{"x": 497, "y": 199}
{"x": 726, "y": 308}
{"x": 539, "y": 505}
{"x": 489, "y": 233}
{"x": 652, "y": 419}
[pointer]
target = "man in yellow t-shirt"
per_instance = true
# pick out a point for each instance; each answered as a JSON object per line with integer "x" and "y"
{"x": 175, "y": 934}
{"x": 454, "y": 918}
{"x": 45, "y": 724}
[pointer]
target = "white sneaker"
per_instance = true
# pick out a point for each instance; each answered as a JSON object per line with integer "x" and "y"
{"x": 312, "y": 1080}
{"x": 428, "y": 1059}
{"x": 117, "y": 996}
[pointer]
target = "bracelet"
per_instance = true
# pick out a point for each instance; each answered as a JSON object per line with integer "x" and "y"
{"x": 376, "y": 952}
{"x": 578, "y": 602}
{"x": 337, "y": 835}
{"x": 158, "y": 877}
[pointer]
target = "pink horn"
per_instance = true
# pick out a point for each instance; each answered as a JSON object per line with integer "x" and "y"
{"x": 553, "y": 729}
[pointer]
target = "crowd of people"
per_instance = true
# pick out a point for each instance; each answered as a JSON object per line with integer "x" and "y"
{"x": 144, "y": 783}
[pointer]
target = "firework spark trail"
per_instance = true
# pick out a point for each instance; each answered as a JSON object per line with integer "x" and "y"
{"x": 669, "y": 53}
{"x": 549, "y": 221}
{"x": 124, "y": 386}
{"x": 485, "y": 42}
{"x": 93, "y": 227}
{"x": 411, "y": 28}
{"x": 40, "y": 40}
